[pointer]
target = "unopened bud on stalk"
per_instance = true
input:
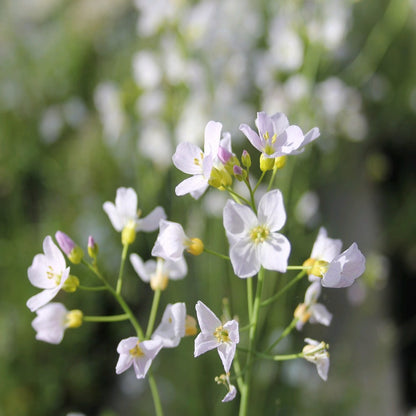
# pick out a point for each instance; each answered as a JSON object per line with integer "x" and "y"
{"x": 266, "y": 163}
{"x": 195, "y": 246}
{"x": 67, "y": 245}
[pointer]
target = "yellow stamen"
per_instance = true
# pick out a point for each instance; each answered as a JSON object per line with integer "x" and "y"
{"x": 136, "y": 351}
{"x": 221, "y": 334}
{"x": 259, "y": 234}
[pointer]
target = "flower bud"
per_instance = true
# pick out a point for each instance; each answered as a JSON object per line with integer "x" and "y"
{"x": 224, "y": 155}
{"x": 71, "y": 284}
{"x": 74, "y": 319}
{"x": 92, "y": 247}
{"x": 195, "y": 246}
{"x": 220, "y": 178}
{"x": 266, "y": 163}
{"x": 239, "y": 172}
{"x": 246, "y": 159}
{"x": 159, "y": 280}
{"x": 67, "y": 245}
{"x": 316, "y": 267}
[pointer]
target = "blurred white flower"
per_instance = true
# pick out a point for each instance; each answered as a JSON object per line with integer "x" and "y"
{"x": 147, "y": 69}
{"x": 317, "y": 353}
{"x": 51, "y": 124}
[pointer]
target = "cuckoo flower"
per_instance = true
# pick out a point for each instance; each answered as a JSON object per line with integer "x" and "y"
{"x": 231, "y": 390}
{"x": 49, "y": 272}
{"x": 160, "y": 271}
{"x": 190, "y": 159}
{"x": 310, "y": 310}
{"x": 173, "y": 325}
{"x": 52, "y": 320}
{"x": 317, "y": 353}
{"x": 214, "y": 334}
{"x": 334, "y": 268}
{"x": 172, "y": 241}
{"x": 137, "y": 354}
{"x": 254, "y": 240}
{"x": 125, "y": 217}
{"x": 276, "y": 137}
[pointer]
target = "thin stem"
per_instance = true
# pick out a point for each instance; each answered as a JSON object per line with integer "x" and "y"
{"x": 155, "y": 395}
{"x": 237, "y": 196}
{"x": 245, "y": 391}
{"x": 284, "y": 289}
{"x": 284, "y": 334}
{"x": 153, "y": 311}
{"x": 259, "y": 181}
{"x": 222, "y": 256}
{"x": 112, "y": 318}
{"x": 272, "y": 179}
{"x": 274, "y": 357}
{"x": 253, "y": 202}
{"x": 250, "y": 297}
{"x": 120, "y": 274}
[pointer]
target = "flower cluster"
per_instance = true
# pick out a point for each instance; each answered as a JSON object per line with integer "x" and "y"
{"x": 256, "y": 247}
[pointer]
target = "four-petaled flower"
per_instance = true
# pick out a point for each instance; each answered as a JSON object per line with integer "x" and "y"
{"x": 49, "y": 272}
{"x": 214, "y": 334}
{"x": 317, "y": 353}
{"x": 334, "y": 268}
{"x": 125, "y": 217}
{"x": 254, "y": 240}
{"x": 276, "y": 137}
{"x": 52, "y": 320}
{"x": 190, "y": 159}
{"x": 138, "y": 354}
{"x": 310, "y": 310}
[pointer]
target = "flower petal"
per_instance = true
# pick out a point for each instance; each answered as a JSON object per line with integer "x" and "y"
{"x": 195, "y": 185}
{"x": 140, "y": 268}
{"x": 208, "y": 321}
{"x": 111, "y": 210}
{"x": 252, "y": 136}
{"x": 170, "y": 241}
{"x": 325, "y": 248}
{"x": 126, "y": 203}
{"x": 188, "y": 158}
{"x": 42, "y": 298}
{"x": 244, "y": 258}
{"x": 226, "y": 351}
{"x": 320, "y": 314}
{"x": 271, "y": 210}
{"x": 212, "y": 136}
{"x": 274, "y": 253}
{"x": 238, "y": 220}
{"x": 230, "y": 395}
{"x": 204, "y": 343}
{"x": 151, "y": 221}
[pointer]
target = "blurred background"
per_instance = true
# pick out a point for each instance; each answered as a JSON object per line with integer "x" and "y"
{"x": 97, "y": 94}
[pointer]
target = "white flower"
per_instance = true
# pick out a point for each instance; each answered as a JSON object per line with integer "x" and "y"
{"x": 159, "y": 272}
{"x": 49, "y": 272}
{"x": 172, "y": 327}
{"x": 317, "y": 353}
{"x": 124, "y": 212}
{"x": 336, "y": 269}
{"x": 216, "y": 335}
{"x": 276, "y": 137}
{"x": 254, "y": 240}
{"x": 190, "y": 159}
{"x": 310, "y": 310}
{"x": 136, "y": 353}
{"x": 172, "y": 241}
{"x": 50, "y": 323}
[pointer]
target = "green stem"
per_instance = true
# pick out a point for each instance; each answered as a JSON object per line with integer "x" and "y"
{"x": 245, "y": 391}
{"x": 113, "y": 318}
{"x": 273, "y": 357}
{"x": 250, "y": 298}
{"x": 284, "y": 334}
{"x": 272, "y": 179}
{"x": 284, "y": 289}
{"x": 238, "y": 198}
{"x": 120, "y": 274}
{"x": 253, "y": 202}
{"x": 259, "y": 182}
{"x": 155, "y": 395}
{"x": 222, "y": 256}
{"x": 153, "y": 311}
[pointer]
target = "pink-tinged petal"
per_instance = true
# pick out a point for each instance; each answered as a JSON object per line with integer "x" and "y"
{"x": 38, "y": 273}
{"x": 188, "y": 158}
{"x": 280, "y": 123}
{"x": 204, "y": 343}
{"x": 345, "y": 268}
{"x": 124, "y": 362}
{"x": 252, "y": 136}
{"x": 244, "y": 258}
{"x": 230, "y": 395}
{"x": 151, "y": 221}
{"x": 238, "y": 219}
{"x": 55, "y": 257}
{"x": 212, "y": 136}
{"x": 320, "y": 314}
{"x": 111, "y": 210}
{"x": 208, "y": 321}
{"x": 264, "y": 125}
{"x": 176, "y": 269}
{"x": 311, "y": 135}
{"x": 140, "y": 268}
{"x": 42, "y": 298}
{"x": 271, "y": 211}
{"x": 225, "y": 142}
{"x": 313, "y": 292}
{"x": 325, "y": 248}
{"x": 274, "y": 253}
{"x": 195, "y": 185}
{"x": 171, "y": 241}
{"x": 126, "y": 203}
{"x": 126, "y": 344}
{"x": 226, "y": 351}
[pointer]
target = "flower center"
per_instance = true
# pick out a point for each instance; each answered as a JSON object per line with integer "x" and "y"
{"x": 198, "y": 162}
{"x": 270, "y": 141}
{"x": 259, "y": 234}
{"x": 55, "y": 276}
{"x": 136, "y": 351}
{"x": 221, "y": 334}
{"x": 317, "y": 267}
